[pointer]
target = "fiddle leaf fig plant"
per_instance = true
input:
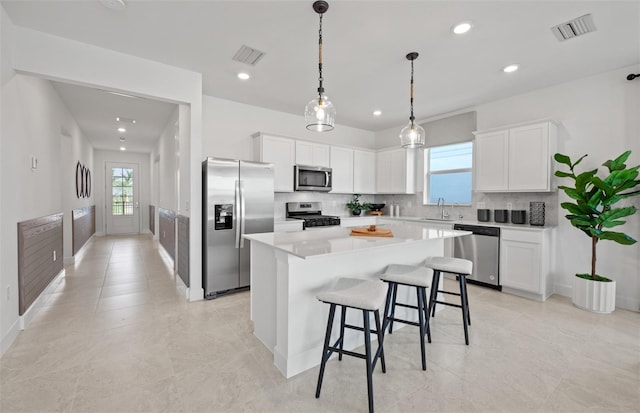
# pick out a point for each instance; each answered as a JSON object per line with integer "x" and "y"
{"x": 592, "y": 209}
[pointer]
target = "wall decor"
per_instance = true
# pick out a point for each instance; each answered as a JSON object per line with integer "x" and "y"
{"x": 83, "y": 181}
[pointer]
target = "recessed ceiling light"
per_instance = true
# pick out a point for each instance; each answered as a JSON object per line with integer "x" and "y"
{"x": 122, "y": 148}
{"x": 461, "y": 28}
{"x": 125, "y": 120}
{"x": 121, "y": 130}
{"x": 377, "y": 112}
{"x": 243, "y": 76}
{"x": 510, "y": 68}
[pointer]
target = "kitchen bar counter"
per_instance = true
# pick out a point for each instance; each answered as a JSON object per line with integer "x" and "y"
{"x": 288, "y": 270}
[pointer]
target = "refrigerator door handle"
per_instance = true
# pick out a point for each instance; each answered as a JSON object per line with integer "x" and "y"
{"x": 242, "y": 213}
{"x": 237, "y": 209}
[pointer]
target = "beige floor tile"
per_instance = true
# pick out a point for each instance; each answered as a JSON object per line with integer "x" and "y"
{"x": 118, "y": 335}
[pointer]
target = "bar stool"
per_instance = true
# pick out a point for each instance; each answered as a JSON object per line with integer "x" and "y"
{"x": 461, "y": 268}
{"x": 367, "y": 296}
{"x": 411, "y": 276}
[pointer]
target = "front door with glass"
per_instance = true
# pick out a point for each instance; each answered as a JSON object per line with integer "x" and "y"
{"x": 122, "y": 206}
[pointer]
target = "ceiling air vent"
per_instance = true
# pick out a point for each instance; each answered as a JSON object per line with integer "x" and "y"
{"x": 573, "y": 28}
{"x": 248, "y": 55}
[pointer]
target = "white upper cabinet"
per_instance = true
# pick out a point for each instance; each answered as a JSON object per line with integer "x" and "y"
{"x": 364, "y": 172}
{"x": 342, "y": 166}
{"x": 281, "y": 153}
{"x": 395, "y": 170}
{"x": 516, "y": 159}
{"x": 314, "y": 154}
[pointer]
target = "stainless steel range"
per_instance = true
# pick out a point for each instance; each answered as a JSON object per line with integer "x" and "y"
{"x": 311, "y": 214}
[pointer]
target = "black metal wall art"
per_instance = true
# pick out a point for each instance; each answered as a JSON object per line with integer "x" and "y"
{"x": 83, "y": 181}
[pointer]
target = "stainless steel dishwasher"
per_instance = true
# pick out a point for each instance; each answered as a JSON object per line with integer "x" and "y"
{"x": 482, "y": 247}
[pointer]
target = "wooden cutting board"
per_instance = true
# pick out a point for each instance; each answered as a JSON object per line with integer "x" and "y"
{"x": 364, "y": 232}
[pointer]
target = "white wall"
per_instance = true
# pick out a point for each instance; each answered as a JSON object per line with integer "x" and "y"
{"x": 599, "y": 116}
{"x": 101, "y": 158}
{"x": 184, "y": 161}
{"x": 228, "y": 126}
{"x": 166, "y": 153}
{"x": 35, "y": 122}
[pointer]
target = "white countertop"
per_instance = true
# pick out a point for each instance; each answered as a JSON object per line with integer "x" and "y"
{"x": 336, "y": 240}
{"x": 506, "y": 225}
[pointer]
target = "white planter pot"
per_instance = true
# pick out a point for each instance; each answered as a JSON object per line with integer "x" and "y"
{"x": 596, "y": 296}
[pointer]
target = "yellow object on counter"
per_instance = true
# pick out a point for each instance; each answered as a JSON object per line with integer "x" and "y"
{"x": 366, "y": 232}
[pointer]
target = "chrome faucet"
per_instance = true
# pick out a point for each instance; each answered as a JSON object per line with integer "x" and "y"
{"x": 443, "y": 214}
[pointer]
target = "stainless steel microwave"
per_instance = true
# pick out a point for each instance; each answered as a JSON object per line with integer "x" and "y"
{"x": 312, "y": 178}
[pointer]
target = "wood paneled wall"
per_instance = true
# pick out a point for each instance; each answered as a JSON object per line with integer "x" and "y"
{"x": 183, "y": 248}
{"x": 83, "y": 226}
{"x": 167, "y": 227}
{"x": 152, "y": 219}
{"x": 39, "y": 241}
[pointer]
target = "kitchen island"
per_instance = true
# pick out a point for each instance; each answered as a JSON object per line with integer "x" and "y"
{"x": 289, "y": 269}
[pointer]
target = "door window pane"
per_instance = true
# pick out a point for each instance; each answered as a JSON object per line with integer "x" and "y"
{"x": 122, "y": 191}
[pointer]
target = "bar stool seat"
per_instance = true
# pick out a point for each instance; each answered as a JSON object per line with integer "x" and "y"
{"x": 461, "y": 268}
{"x": 364, "y": 295}
{"x": 410, "y": 276}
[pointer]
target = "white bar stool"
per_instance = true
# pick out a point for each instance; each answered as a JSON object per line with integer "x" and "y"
{"x": 367, "y": 296}
{"x": 411, "y": 276}
{"x": 461, "y": 268}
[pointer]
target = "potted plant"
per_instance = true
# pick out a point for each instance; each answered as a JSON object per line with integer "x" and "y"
{"x": 592, "y": 210}
{"x": 356, "y": 207}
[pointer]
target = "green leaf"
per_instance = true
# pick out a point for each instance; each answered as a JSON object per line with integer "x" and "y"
{"x": 571, "y": 207}
{"x": 564, "y": 159}
{"x": 561, "y": 174}
{"x": 618, "y": 163}
{"x": 574, "y": 194}
{"x": 578, "y": 161}
{"x": 584, "y": 178}
{"x": 603, "y": 186}
{"x": 618, "y": 237}
{"x": 617, "y": 213}
{"x": 611, "y": 224}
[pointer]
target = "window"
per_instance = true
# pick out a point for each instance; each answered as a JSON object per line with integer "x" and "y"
{"x": 448, "y": 173}
{"x": 122, "y": 191}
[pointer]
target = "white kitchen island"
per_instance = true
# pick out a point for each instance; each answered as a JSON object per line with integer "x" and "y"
{"x": 289, "y": 269}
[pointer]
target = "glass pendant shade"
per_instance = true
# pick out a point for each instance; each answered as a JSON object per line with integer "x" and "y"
{"x": 320, "y": 114}
{"x": 412, "y": 136}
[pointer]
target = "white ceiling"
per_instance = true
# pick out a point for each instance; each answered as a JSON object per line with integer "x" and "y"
{"x": 365, "y": 43}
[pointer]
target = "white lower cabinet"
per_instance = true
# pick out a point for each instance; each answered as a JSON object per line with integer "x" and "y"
{"x": 524, "y": 262}
{"x": 287, "y": 226}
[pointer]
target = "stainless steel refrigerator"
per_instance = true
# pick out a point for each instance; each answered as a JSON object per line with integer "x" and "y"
{"x": 237, "y": 199}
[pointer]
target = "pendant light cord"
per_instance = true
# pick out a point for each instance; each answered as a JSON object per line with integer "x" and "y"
{"x": 411, "y": 118}
{"x": 320, "y": 78}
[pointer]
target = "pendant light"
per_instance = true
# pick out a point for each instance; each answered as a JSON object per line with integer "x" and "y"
{"x": 412, "y": 135}
{"x": 320, "y": 115}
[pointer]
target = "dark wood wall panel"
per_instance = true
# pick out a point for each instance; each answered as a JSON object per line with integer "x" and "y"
{"x": 152, "y": 219}
{"x": 37, "y": 240}
{"x": 167, "y": 227}
{"x": 183, "y": 248}
{"x": 83, "y": 226}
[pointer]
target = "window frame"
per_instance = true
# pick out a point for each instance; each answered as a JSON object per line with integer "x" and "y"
{"x": 427, "y": 172}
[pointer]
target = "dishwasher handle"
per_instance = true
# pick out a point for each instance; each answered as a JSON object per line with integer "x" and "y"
{"x": 478, "y": 229}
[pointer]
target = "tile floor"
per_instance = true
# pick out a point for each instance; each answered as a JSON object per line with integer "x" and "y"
{"x": 117, "y": 336}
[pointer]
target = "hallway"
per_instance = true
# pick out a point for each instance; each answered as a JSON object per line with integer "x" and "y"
{"x": 117, "y": 336}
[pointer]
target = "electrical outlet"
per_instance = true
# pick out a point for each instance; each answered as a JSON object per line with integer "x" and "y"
{"x": 54, "y": 255}
{"x": 509, "y": 205}
{"x": 481, "y": 205}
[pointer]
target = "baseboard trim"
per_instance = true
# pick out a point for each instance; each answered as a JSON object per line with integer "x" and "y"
{"x": 563, "y": 290}
{"x": 10, "y": 337}
{"x": 625, "y": 303}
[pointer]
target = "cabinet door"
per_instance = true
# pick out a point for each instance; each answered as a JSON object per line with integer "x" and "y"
{"x": 520, "y": 266}
{"x": 280, "y": 152}
{"x": 529, "y": 158}
{"x": 364, "y": 172}
{"x": 321, "y": 155}
{"x": 491, "y": 163}
{"x": 304, "y": 153}
{"x": 342, "y": 165}
{"x": 383, "y": 172}
{"x": 315, "y": 154}
{"x": 398, "y": 161}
